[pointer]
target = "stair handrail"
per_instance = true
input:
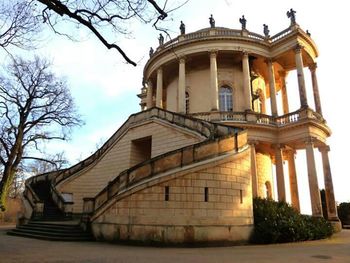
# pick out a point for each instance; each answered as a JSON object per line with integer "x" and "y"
{"x": 37, "y": 206}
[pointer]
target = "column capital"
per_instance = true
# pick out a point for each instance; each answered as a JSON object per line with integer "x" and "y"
{"x": 269, "y": 61}
{"x": 278, "y": 146}
{"x": 310, "y": 140}
{"x": 160, "y": 70}
{"x": 313, "y": 67}
{"x": 245, "y": 53}
{"x": 290, "y": 152}
{"x": 253, "y": 142}
{"x": 324, "y": 148}
{"x": 298, "y": 48}
{"x": 182, "y": 59}
{"x": 213, "y": 53}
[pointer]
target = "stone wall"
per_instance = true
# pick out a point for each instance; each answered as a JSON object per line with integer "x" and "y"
{"x": 264, "y": 170}
{"x": 186, "y": 216}
{"x": 90, "y": 181}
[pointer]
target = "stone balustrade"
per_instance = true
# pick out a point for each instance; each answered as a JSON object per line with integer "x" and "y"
{"x": 258, "y": 118}
{"x": 169, "y": 161}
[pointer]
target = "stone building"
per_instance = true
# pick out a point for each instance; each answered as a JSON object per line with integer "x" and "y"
{"x": 187, "y": 166}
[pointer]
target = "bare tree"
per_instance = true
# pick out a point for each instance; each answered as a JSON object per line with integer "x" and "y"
{"x": 19, "y": 24}
{"x": 35, "y": 107}
{"x": 103, "y": 17}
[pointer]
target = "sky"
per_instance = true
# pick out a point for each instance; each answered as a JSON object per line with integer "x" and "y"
{"x": 104, "y": 86}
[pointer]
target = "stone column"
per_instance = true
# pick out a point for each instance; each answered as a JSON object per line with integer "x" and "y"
{"x": 149, "y": 95}
{"x": 214, "y": 90}
{"x": 271, "y": 75}
{"x": 315, "y": 88}
{"x": 159, "y": 95}
{"x": 255, "y": 180}
{"x": 312, "y": 175}
{"x": 181, "y": 93}
{"x": 328, "y": 183}
{"x": 300, "y": 72}
{"x": 293, "y": 183}
{"x": 281, "y": 189}
{"x": 285, "y": 103}
{"x": 246, "y": 81}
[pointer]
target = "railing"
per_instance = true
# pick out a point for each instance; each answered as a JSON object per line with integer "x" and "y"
{"x": 66, "y": 207}
{"x": 281, "y": 34}
{"x": 37, "y": 206}
{"x": 171, "y": 160}
{"x": 258, "y": 118}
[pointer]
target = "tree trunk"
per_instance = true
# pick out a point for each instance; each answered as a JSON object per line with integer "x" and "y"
{"x": 5, "y": 184}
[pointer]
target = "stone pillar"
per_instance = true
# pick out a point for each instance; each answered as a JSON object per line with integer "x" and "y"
{"x": 271, "y": 75}
{"x": 246, "y": 81}
{"x": 214, "y": 90}
{"x": 149, "y": 95}
{"x": 181, "y": 93}
{"x": 315, "y": 88}
{"x": 293, "y": 183}
{"x": 301, "y": 79}
{"x": 255, "y": 181}
{"x": 285, "y": 103}
{"x": 159, "y": 95}
{"x": 313, "y": 183}
{"x": 281, "y": 189}
{"x": 332, "y": 213}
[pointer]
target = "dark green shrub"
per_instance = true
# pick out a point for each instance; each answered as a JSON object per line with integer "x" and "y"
{"x": 344, "y": 213}
{"x": 278, "y": 222}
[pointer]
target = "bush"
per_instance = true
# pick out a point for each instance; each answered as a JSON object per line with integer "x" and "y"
{"x": 278, "y": 222}
{"x": 344, "y": 213}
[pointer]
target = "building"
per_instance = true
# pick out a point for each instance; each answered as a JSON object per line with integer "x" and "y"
{"x": 186, "y": 168}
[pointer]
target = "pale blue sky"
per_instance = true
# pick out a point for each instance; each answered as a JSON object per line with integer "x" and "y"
{"x": 105, "y": 88}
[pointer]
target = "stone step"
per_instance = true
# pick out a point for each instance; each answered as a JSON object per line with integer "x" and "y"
{"x": 52, "y": 238}
{"x": 49, "y": 233}
{"x": 50, "y": 229}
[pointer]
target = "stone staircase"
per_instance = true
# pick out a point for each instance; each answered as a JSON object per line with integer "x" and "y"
{"x": 52, "y": 230}
{"x": 51, "y": 224}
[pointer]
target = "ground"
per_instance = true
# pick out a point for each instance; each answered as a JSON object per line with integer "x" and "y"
{"x": 18, "y": 249}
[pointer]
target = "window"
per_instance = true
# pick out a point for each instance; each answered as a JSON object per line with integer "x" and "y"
{"x": 166, "y": 193}
{"x": 225, "y": 99}
{"x": 187, "y": 103}
{"x": 206, "y": 194}
{"x": 241, "y": 196}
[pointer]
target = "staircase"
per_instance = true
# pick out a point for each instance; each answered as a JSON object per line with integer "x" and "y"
{"x": 55, "y": 231}
{"x": 52, "y": 224}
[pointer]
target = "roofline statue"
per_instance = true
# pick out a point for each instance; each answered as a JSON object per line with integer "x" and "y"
{"x": 243, "y": 22}
{"x": 212, "y": 21}
{"x": 291, "y": 15}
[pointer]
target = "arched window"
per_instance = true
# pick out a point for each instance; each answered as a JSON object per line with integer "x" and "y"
{"x": 225, "y": 99}
{"x": 187, "y": 103}
{"x": 268, "y": 190}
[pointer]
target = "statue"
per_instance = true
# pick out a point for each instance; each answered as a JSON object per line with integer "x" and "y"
{"x": 243, "y": 22}
{"x": 151, "y": 51}
{"x": 308, "y": 33}
{"x": 291, "y": 15}
{"x": 211, "y": 21}
{"x": 182, "y": 28}
{"x": 266, "y": 31}
{"x": 161, "y": 39}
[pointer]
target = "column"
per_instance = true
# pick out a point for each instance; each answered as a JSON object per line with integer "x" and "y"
{"x": 293, "y": 183}
{"x": 271, "y": 75}
{"x": 313, "y": 183}
{"x": 285, "y": 103}
{"x": 315, "y": 88}
{"x": 149, "y": 95}
{"x": 255, "y": 181}
{"x": 214, "y": 90}
{"x": 281, "y": 189}
{"x": 159, "y": 95}
{"x": 181, "y": 93}
{"x": 328, "y": 183}
{"x": 246, "y": 81}
{"x": 300, "y": 72}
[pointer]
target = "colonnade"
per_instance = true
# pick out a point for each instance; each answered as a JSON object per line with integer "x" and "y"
{"x": 214, "y": 102}
{"x": 289, "y": 154}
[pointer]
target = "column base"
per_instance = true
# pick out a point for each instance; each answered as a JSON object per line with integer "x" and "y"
{"x": 336, "y": 224}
